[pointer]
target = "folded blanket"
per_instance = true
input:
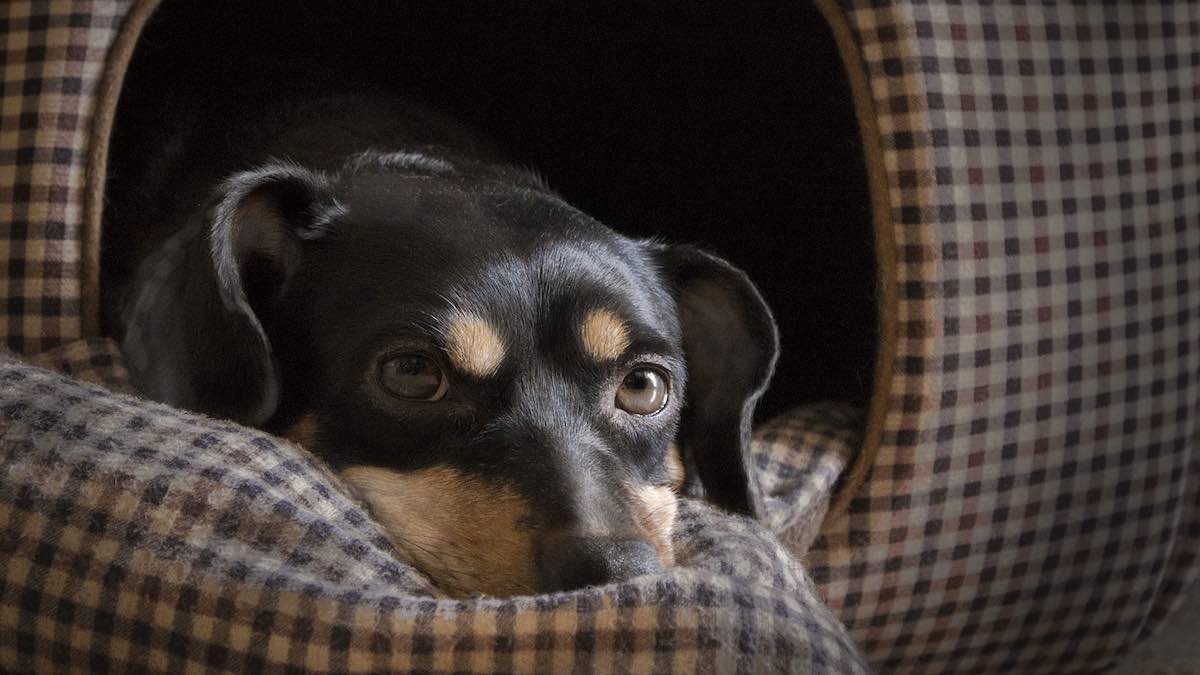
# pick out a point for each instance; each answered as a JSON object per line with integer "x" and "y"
{"x": 137, "y": 536}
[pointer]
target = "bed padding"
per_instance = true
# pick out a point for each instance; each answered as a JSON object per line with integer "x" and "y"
{"x": 138, "y": 536}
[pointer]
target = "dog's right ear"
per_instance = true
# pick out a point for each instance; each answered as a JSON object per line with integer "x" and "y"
{"x": 195, "y": 337}
{"x": 730, "y": 343}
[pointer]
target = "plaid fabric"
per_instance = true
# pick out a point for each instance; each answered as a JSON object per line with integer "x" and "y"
{"x": 96, "y": 360}
{"x": 136, "y": 536}
{"x": 1033, "y": 504}
{"x": 52, "y": 55}
{"x": 801, "y": 456}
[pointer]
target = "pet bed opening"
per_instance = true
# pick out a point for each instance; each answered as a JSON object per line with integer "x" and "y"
{"x": 732, "y": 127}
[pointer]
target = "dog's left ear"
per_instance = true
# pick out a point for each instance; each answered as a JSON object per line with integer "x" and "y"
{"x": 197, "y": 336}
{"x": 730, "y": 343}
{"x": 257, "y": 231}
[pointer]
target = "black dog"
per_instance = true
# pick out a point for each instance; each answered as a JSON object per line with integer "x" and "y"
{"x": 513, "y": 389}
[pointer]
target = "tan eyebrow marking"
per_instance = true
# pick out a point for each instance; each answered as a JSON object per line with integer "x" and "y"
{"x": 604, "y": 334}
{"x": 474, "y": 346}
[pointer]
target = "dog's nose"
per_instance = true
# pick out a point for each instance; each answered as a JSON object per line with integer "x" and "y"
{"x": 568, "y": 562}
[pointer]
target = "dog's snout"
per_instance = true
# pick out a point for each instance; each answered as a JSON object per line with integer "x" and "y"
{"x": 568, "y": 562}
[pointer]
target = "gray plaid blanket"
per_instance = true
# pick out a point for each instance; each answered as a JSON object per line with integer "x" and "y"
{"x": 139, "y": 537}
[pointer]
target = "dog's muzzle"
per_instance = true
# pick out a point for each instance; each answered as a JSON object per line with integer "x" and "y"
{"x": 567, "y": 562}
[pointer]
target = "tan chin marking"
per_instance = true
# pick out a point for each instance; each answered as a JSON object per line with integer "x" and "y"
{"x": 654, "y": 507}
{"x": 303, "y": 432}
{"x": 605, "y": 336}
{"x": 465, "y": 533}
{"x": 474, "y": 346}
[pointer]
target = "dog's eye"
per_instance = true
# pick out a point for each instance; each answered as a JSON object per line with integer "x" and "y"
{"x": 413, "y": 376}
{"x": 644, "y": 391}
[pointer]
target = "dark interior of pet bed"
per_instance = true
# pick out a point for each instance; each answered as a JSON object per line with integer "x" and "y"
{"x": 730, "y": 126}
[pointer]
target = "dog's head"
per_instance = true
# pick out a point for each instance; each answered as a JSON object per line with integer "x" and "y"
{"x": 515, "y": 391}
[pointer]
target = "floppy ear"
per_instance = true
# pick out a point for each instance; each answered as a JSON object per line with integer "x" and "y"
{"x": 194, "y": 334}
{"x": 730, "y": 343}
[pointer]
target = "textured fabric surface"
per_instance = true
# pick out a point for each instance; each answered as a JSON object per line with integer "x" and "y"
{"x": 96, "y": 360}
{"x": 1034, "y": 502}
{"x": 1033, "y": 506}
{"x": 800, "y": 457}
{"x": 52, "y": 56}
{"x": 134, "y": 535}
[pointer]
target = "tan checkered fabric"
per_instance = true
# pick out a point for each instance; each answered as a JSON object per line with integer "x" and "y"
{"x": 96, "y": 360}
{"x": 1033, "y": 504}
{"x": 52, "y": 56}
{"x": 801, "y": 456}
{"x": 1033, "y": 500}
{"x": 134, "y": 536}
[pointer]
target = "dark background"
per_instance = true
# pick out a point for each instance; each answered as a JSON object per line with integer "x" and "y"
{"x": 725, "y": 125}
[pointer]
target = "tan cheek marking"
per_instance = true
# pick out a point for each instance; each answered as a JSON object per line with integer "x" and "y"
{"x": 675, "y": 466}
{"x": 605, "y": 336}
{"x": 655, "y": 508}
{"x": 466, "y": 534}
{"x": 303, "y": 432}
{"x": 473, "y": 346}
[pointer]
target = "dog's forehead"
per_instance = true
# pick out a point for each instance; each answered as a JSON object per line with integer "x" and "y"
{"x": 491, "y": 263}
{"x": 597, "y": 290}
{"x": 458, "y": 218}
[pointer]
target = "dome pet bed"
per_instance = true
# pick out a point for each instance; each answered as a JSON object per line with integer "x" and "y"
{"x": 1020, "y": 494}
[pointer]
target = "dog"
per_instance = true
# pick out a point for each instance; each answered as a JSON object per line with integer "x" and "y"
{"x": 516, "y": 392}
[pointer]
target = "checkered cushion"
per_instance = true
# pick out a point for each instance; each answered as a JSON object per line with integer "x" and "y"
{"x": 801, "y": 457}
{"x": 1030, "y": 497}
{"x": 1033, "y": 503}
{"x": 137, "y": 536}
{"x": 53, "y": 57}
{"x": 96, "y": 360}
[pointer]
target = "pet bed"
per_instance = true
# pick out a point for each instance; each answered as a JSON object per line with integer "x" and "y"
{"x": 140, "y": 537}
{"x": 1020, "y": 494}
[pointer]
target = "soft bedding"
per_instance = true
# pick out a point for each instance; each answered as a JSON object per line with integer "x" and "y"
{"x": 137, "y": 536}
